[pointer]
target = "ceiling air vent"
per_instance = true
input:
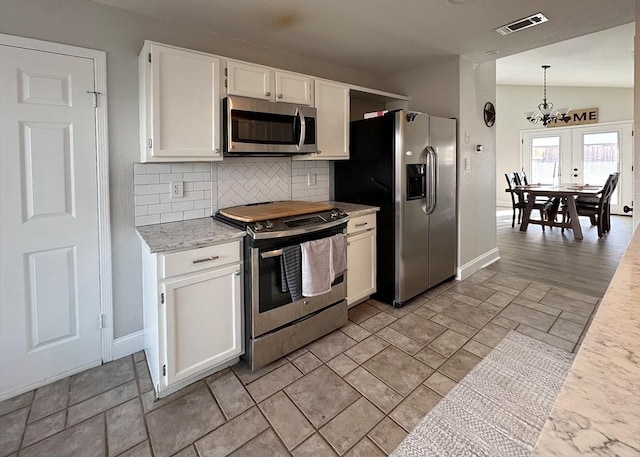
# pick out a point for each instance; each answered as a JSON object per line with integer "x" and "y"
{"x": 522, "y": 24}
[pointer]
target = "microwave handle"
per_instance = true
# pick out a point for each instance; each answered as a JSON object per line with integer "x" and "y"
{"x": 303, "y": 128}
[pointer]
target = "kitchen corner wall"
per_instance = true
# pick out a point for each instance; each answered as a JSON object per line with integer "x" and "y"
{"x": 232, "y": 182}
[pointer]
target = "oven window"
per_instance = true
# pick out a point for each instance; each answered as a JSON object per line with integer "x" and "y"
{"x": 271, "y": 287}
{"x": 271, "y": 294}
{"x": 264, "y": 128}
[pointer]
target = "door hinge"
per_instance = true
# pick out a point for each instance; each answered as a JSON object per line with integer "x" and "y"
{"x": 225, "y": 83}
{"x": 149, "y": 143}
{"x": 164, "y": 370}
{"x": 162, "y": 299}
{"x": 226, "y": 72}
{"x": 101, "y": 321}
{"x": 95, "y": 97}
{"x": 149, "y": 57}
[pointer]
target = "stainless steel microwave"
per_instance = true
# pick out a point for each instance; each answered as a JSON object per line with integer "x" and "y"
{"x": 259, "y": 127}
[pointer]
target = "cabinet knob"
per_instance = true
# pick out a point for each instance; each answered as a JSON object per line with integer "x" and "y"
{"x": 268, "y": 94}
{"x": 306, "y": 302}
{"x": 216, "y": 150}
{"x": 279, "y": 95}
{"x": 237, "y": 273}
{"x": 319, "y": 151}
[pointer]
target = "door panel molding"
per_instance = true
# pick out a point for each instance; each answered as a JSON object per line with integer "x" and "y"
{"x": 99, "y": 59}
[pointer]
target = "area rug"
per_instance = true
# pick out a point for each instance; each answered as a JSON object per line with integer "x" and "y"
{"x": 499, "y": 408}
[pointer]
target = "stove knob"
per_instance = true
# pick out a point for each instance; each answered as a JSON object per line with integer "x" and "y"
{"x": 334, "y": 214}
{"x": 268, "y": 224}
{"x": 258, "y": 226}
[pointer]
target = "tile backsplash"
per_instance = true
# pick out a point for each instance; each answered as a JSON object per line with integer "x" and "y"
{"x": 234, "y": 181}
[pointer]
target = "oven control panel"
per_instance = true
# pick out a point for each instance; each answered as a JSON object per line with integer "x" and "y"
{"x": 274, "y": 228}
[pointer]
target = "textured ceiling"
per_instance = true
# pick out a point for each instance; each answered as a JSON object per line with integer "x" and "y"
{"x": 386, "y": 36}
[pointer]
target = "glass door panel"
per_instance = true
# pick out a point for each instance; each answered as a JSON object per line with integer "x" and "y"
{"x": 600, "y": 158}
{"x": 545, "y": 159}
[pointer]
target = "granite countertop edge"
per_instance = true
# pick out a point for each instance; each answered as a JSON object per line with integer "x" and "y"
{"x": 206, "y": 231}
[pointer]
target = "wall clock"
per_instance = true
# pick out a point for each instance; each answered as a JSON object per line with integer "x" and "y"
{"x": 489, "y": 114}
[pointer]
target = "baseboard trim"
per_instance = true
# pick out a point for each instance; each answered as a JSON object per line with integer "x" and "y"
{"x": 127, "y": 345}
{"x": 478, "y": 263}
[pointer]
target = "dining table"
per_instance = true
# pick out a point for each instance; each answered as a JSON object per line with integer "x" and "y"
{"x": 567, "y": 192}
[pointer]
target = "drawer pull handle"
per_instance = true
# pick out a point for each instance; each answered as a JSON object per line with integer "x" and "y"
{"x": 362, "y": 224}
{"x": 206, "y": 259}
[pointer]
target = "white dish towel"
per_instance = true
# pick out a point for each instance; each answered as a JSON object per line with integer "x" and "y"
{"x": 338, "y": 255}
{"x": 323, "y": 260}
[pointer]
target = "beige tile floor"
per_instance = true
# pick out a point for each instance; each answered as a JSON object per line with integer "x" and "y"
{"x": 355, "y": 392}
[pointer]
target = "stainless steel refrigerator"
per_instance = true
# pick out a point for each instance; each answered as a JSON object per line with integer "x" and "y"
{"x": 405, "y": 163}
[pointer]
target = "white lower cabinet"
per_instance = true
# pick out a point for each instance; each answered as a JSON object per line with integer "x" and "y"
{"x": 193, "y": 319}
{"x": 361, "y": 258}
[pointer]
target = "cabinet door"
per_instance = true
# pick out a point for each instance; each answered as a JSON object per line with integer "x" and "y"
{"x": 294, "y": 88}
{"x": 361, "y": 264}
{"x": 184, "y": 105}
{"x": 332, "y": 120}
{"x": 202, "y": 321}
{"x": 247, "y": 80}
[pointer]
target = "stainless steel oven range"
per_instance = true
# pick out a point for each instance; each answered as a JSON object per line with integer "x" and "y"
{"x": 276, "y": 324}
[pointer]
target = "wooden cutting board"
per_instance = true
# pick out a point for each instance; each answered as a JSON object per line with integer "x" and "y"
{"x": 264, "y": 211}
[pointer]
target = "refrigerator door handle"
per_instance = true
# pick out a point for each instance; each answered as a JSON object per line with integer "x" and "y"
{"x": 433, "y": 179}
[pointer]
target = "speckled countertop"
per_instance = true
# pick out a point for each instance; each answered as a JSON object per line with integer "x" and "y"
{"x": 353, "y": 209}
{"x": 207, "y": 230}
{"x": 598, "y": 409}
{"x": 187, "y": 234}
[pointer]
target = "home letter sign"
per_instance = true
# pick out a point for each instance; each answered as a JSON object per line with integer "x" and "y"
{"x": 578, "y": 117}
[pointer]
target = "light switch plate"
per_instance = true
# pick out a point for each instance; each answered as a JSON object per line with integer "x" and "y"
{"x": 311, "y": 179}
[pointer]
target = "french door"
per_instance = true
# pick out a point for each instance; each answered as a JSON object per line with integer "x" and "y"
{"x": 582, "y": 155}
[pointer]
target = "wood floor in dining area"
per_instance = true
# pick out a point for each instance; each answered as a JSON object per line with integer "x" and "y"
{"x": 558, "y": 259}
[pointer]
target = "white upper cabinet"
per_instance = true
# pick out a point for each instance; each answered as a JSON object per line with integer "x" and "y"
{"x": 332, "y": 121}
{"x": 257, "y": 81}
{"x": 294, "y": 88}
{"x": 179, "y": 105}
{"x": 249, "y": 80}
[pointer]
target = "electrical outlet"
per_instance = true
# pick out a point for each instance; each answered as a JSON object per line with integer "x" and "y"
{"x": 467, "y": 136}
{"x": 311, "y": 179}
{"x": 177, "y": 189}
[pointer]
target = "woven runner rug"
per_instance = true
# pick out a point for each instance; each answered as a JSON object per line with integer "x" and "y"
{"x": 499, "y": 408}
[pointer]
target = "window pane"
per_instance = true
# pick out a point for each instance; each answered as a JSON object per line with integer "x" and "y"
{"x": 601, "y": 158}
{"x": 545, "y": 159}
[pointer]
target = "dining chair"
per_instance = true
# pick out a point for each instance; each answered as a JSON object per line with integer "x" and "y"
{"x": 522, "y": 176}
{"x": 519, "y": 201}
{"x": 597, "y": 208}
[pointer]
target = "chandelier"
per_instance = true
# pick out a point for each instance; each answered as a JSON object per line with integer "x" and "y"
{"x": 546, "y": 114}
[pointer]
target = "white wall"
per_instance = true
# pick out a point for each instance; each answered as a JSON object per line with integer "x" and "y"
{"x": 456, "y": 87}
{"x": 614, "y": 104}
{"x": 121, "y": 34}
{"x": 476, "y": 191}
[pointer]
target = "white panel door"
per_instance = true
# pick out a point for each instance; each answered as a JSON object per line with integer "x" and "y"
{"x": 49, "y": 262}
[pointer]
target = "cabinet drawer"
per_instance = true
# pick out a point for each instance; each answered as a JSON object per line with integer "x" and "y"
{"x": 184, "y": 262}
{"x": 361, "y": 223}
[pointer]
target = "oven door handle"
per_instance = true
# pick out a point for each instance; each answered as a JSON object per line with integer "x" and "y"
{"x": 269, "y": 254}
